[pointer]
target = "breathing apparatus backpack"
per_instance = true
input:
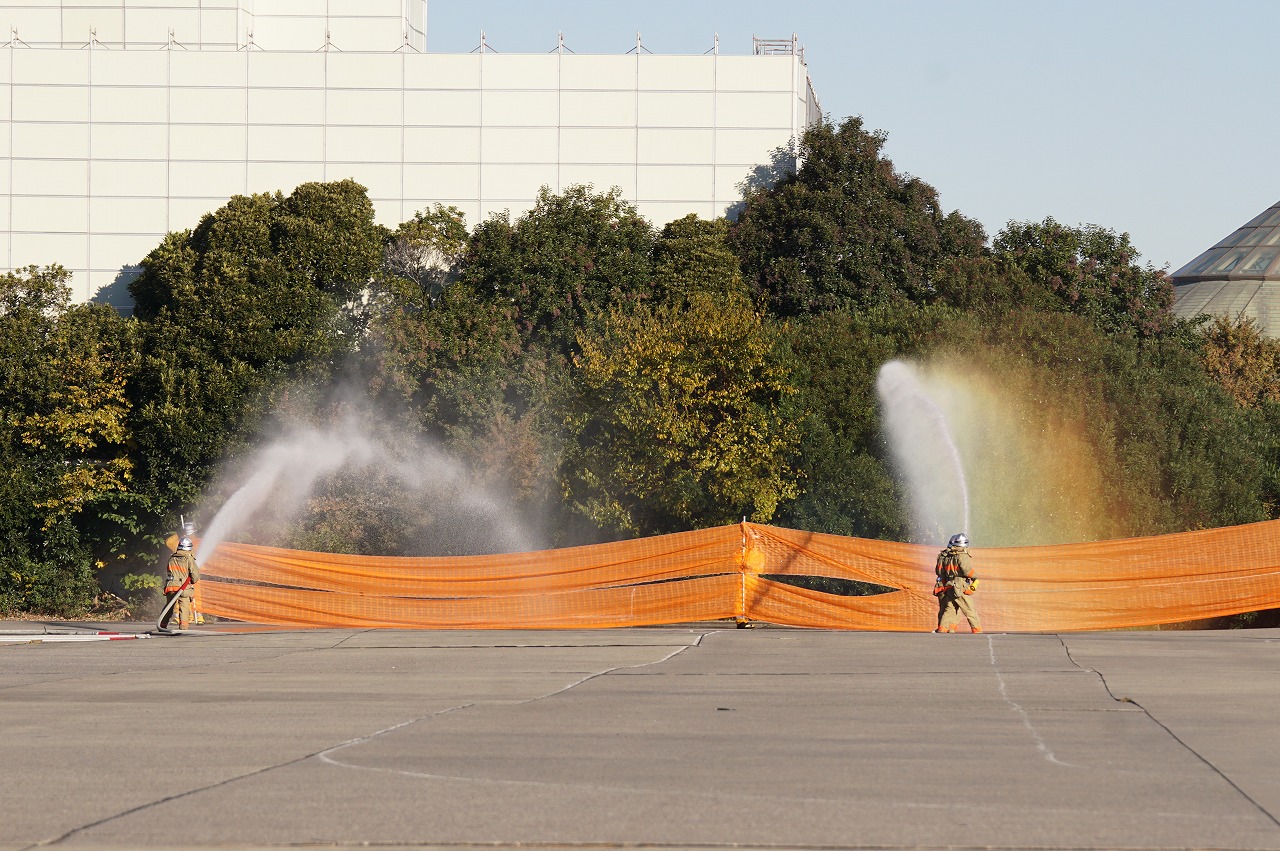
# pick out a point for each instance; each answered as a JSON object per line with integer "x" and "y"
{"x": 947, "y": 569}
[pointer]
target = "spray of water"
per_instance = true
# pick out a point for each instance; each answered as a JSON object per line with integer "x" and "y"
{"x": 448, "y": 508}
{"x": 925, "y": 454}
{"x": 988, "y": 449}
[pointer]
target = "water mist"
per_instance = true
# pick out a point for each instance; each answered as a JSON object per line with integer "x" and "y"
{"x": 457, "y": 515}
{"x": 985, "y": 445}
{"x": 925, "y": 454}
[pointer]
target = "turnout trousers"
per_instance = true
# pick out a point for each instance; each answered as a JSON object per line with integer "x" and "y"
{"x": 181, "y": 609}
{"x": 954, "y": 604}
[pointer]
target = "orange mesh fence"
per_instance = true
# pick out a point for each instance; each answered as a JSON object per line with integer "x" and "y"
{"x": 762, "y": 573}
{"x": 665, "y": 579}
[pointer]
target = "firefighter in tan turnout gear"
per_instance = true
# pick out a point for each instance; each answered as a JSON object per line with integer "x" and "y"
{"x": 955, "y": 584}
{"x": 184, "y": 573}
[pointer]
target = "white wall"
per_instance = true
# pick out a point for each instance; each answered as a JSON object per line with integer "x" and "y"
{"x": 107, "y": 150}
{"x": 354, "y": 25}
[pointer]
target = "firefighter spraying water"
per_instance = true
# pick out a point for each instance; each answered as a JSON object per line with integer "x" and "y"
{"x": 179, "y": 586}
{"x": 955, "y": 584}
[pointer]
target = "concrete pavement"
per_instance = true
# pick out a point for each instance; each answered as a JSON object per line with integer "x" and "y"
{"x": 689, "y": 737}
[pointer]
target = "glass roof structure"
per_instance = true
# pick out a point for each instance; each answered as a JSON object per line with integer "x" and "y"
{"x": 1240, "y": 275}
{"x": 1253, "y": 251}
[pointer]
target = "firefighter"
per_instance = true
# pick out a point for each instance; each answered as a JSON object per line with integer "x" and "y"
{"x": 184, "y": 573}
{"x": 956, "y": 582}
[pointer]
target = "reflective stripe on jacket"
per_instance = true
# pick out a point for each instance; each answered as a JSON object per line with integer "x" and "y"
{"x": 955, "y": 567}
{"x": 182, "y": 565}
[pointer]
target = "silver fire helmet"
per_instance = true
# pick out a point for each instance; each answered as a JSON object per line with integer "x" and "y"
{"x": 959, "y": 540}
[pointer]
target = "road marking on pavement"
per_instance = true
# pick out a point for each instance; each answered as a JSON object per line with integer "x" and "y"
{"x": 46, "y": 638}
{"x": 1026, "y": 719}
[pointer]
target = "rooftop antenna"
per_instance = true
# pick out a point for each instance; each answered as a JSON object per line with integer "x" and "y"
{"x": 173, "y": 42}
{"x": 93, "y": 39}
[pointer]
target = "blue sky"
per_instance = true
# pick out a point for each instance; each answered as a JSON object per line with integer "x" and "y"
{"x": 1154, "y": 117}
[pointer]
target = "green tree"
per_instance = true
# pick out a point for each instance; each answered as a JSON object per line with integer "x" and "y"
{"x": 988, "y": 286}
{"x": 266, "y": 278}
{"x": 455, "y": 365}
{"x": 693, "y": 255}
{"x": 848, "y": 485}
{"x": 1091, "y": 271}
{"x": 1241, "y": 360}
{"x": 428, "y": 249}
{"x": 680, "y": 419}
{"x": 63, "y": 371}
{"x": 81, "y": 419}
{"x": 572, "y": 252}
{"x": 263, "y": 299}
{"x": 847, "y": 231}
{"x": 1163, "y": 431}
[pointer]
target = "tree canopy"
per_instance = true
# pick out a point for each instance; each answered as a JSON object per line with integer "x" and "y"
{"x": 681, "y": 418}
{"x": 63, "y": 436}
{"x": 847, "y": 231}
{"x": 1091, "y": 271}
{"x": 262, "y": 295}
{"x": 573, "y": 252}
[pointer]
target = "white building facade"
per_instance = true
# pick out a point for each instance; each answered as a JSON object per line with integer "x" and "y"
{"x": 123, "y": 121}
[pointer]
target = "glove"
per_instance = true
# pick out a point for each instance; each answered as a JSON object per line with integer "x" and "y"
{"x": 973, "y": 586}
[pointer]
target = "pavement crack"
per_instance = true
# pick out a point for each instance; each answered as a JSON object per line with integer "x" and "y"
{"x": 326, "y": 755}
{"x": 228, "y": 781}
{"x": 351, "y": 636}
{"x": 291, "y": 652}
{"x": 1172, "y": 735}
{"x": 607, "y": 671}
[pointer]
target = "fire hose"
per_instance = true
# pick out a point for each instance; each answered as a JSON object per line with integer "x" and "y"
{"x": 173, "y": 601}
